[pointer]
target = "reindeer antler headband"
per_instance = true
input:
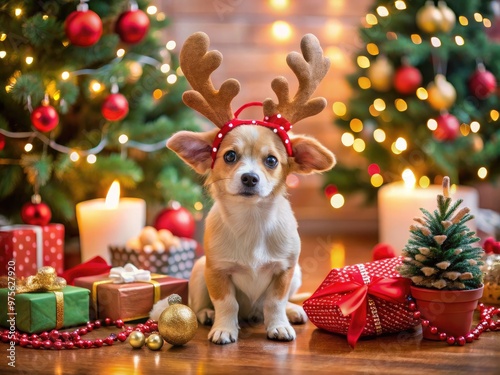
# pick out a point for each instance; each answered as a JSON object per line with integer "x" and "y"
{"x": 197, "y": 64}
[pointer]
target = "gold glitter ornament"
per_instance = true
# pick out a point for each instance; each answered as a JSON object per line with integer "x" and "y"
{"x": 154, "y": 341}
{"x": 136, "y": 339}
{"x": 429, "y": 18}
{"x": 177, "y": 324}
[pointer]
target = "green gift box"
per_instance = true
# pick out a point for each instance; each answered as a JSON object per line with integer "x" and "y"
{"x": 37, "y": 312}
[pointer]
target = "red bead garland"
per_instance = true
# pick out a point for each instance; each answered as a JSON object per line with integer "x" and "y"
{"x": 486, "y": 323}
{"x": 73, "y": 340}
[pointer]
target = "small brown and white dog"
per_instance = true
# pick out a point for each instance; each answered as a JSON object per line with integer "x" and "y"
{"x": 250, "y": 268}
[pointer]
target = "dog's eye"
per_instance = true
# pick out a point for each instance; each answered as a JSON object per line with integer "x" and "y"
{"x": 271, "y": 161}
{"x": 230, "y": 157}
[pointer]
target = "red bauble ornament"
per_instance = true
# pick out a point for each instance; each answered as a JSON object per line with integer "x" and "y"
{"x": 83, "y": 27}
{"x": 177, "y": 220}
{"x": 44, "y": 118}
{"x": 482, "y": 83}
{"x": 115, "y": 107}
{"x": 407, "y": 79}
{"x": 2, "y": 142}
{"x": 448, "y": 128}
{"x": 383, "y": 251}
{"x": 36, "y": 213}
{"x": 132, "y": 26}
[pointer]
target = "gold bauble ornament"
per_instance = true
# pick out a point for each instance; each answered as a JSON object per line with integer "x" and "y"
{"x": 136, "y": 339}
{"x": 380, "y": 74}
{"x": 177, "y": 324}
{"x": 441, "y": 93}
{"x": 154, "y": 341}
{"x": 429, "y": 18}
{"x": 449, "y": 18}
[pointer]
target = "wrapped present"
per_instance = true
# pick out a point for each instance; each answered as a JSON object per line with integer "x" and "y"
{"x": 95, "y": 266}
{"x": 41, "y": 311}
{"x": 176, "y": 261}
{"x": 31, "y": 247}
{"x": 129, "y": 297}
{"x": 362, "y": 300}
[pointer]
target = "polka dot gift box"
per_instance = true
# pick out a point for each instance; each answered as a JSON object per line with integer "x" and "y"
{"x": 367, "y": 299}
{"x": 176, "y": 261}
{"x": 30, "y": 247}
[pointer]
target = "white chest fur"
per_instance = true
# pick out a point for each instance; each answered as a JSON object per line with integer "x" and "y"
{"x": 252, "y": 247}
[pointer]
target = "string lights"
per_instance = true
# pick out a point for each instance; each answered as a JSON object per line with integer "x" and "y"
{"x": 135, "y": 63}
{"x": 395, "y": 141}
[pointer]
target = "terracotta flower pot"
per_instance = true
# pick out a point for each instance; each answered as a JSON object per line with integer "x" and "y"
{"x": 451, "y": 311}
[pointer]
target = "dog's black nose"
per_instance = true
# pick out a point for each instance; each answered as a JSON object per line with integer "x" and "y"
{"x": 249, "y": 179}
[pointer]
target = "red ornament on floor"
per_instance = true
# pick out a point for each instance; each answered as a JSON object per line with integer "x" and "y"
{"x": 83, "y": 27}
{"x": 448, "y": 128}
{"x": 132, "y": 26}
{"x": 115, "y": 107}
{"x": 44, "y": 118}
{"x": 177, "y": 220}
{"x": 36, "y": 213}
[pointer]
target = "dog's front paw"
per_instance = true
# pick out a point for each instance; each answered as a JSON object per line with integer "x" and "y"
{"x": 281, "y": 333}
{"x": 223, "y": 336}
{"x": 206, "y": 316}
{"x": 295, "y": 314}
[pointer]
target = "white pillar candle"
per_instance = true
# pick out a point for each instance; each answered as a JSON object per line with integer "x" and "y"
{"x": 110, "y": 221}
{"x": 398, "y": 204}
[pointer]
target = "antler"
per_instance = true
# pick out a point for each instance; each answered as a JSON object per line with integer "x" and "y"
{"x": 310, "y": 68}
{"x": 197, "y": 63}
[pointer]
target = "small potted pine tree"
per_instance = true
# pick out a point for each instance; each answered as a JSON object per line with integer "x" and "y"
{"x": 443, "y": 262}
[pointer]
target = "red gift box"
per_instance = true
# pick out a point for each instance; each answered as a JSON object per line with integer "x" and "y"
{"x": 31, "y": 247}
{"x": 362, "y": 300}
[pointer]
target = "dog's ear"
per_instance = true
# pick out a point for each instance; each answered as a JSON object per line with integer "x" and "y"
{"x": 310, "y": 156}
{"x": 194, "y": 148}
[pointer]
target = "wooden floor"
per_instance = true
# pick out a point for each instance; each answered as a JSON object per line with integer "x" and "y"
{"x": 314, "y": 351}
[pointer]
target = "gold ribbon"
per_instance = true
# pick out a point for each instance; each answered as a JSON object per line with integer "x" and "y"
{"x": 59, "y": 309}
{"x": 45, "y": 280}
{"x": 156, "y": 289}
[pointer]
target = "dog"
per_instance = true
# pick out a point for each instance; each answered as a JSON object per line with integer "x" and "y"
{"x": 250, "y": 268}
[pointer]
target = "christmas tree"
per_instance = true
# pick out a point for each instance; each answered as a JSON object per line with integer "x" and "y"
{"x": 441, "y": 253}
{"x": 90, "y": 93}
{"x": 423, "y": 97}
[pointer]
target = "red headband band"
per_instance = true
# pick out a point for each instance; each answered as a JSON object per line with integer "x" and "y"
{"x": 278, "y": 124}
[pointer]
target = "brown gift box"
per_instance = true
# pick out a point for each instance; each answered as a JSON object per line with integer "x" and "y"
{"x": 129, "y": 301}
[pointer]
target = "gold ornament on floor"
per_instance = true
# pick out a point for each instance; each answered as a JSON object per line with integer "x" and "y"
{"x": 441, "y": 93}
{"x": 177, "y": 323}
{"x": 136, "y": 339}
{"x": 154, "y": 341}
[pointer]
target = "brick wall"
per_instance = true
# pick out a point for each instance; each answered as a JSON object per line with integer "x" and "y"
{"x": 241, "y": 30}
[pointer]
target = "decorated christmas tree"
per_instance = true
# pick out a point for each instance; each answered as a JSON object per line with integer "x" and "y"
{"x": 424, "y": 97}
{"x": 90, "y": 93}
{"x": 441, "y": 253}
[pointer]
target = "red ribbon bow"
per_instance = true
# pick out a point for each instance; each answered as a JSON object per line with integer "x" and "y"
{"x": 355, "y": 301}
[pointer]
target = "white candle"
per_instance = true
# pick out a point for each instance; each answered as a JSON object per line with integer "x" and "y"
{"x": 398, "y": 204}
{"x": 110, "y": 221}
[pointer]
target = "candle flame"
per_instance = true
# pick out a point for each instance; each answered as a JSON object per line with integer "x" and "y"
{"x": 409, "y": 179}
{"x": 113, "y": 196}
